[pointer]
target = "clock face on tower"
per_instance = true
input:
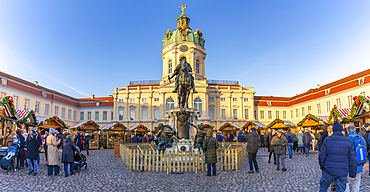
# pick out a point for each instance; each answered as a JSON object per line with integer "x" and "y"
{"x": 183, "y": 48}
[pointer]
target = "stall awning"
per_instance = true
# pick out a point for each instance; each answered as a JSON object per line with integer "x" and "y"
{"x": 260, "y": 124}
{"x": 289, "y": 123}
{"x": 324, "y": 118}
{"x": 344, "y": 111}
{"x": 78, "y": 124}
{"x": 107, "y": 126}
{"x": 21, "y": 114}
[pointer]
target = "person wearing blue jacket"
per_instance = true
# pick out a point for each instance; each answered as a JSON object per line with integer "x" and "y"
{"x": 290, "y": 138}
{"x": 219, "y": 137}
{"x": 337, "y": 160}
{"x": 240, "y": 137}
{"x": 306, "y": 138}
{"x": 354, "y": 185}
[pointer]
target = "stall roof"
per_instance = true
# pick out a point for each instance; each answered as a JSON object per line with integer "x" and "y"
{"x": 289, "y": 123}
{"x": 344, "y": 111}
{"x": 21, "y": 114}
{"x": 324, "y": 118}
{"x": 108, "y": 126}
{"x": 39, "y": 119}
{"x": 260, "y": 124}
{"x": 78, "y": 124}
{"x": 235, "y": 126}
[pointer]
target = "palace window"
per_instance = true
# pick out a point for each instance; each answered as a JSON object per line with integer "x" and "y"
{"x": 246, "y": 113}
{"x": 328, "y": 106}
{"x": 212, "y": 114}
{"x": 132, "y": 100}
{"x": 96, "y": 115}
{"x": 245, "y": 99}
{"x": 223, "y": 99}
{"x": 278, "y": 114}
{"x": 197, "y": 66}
{"x": 75, "y": 115}
{"x": 211, "y": 99}
{"x": 111, "y": 115}
{"x": 63, "y": 112}
{"x": 262, "y": 114}
{"x": 144, "y": 114}
{"x": 82, "y": 114}
{"x": 69, "y": 114}
{"x": 132, "y": 114}
{"x": 156, "y": 113}
{"x": 223, "y": 114}
{"x": 255, "y": 114}
{"x": 56, "y": 111}
{"x": 15, "y": 98}
{"x": 303, "y": 113}
{"x": 269, "y": 113}
{"x": 144, "y": 99}
{"x": 309, "y": 110}
{"x": 349, "y": 100}
{"x": 26, "y": 104}
{"x": 156, "y": 99}
{"x": 235, "y": 99}
{"x": 235, "y": 114}
{"x": 121, "y": 100}
{"x": 284, "y": 114}
{"x": 318, "y": 108}
{"x": 37, "y": 107}
{"x": 170, "y": 104}
{"x": 338, "y": 103}
{"x": 89, "y": 115}
{"x": 3, "y": 94}
{"x": 105, "y": 115}
{"x": 120, "y": 114}
{"x": 47, "y": 106}
{"x": 291, "y": 114}
{"x": 198, "y": 105}
{"x": 296, "y": 113}
{"x": 170, "y": 66}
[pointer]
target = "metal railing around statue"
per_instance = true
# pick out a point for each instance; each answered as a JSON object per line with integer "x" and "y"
{"x": 142, "y": 157}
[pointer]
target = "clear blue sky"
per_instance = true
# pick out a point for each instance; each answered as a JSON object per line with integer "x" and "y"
{"x": 278, "y": 47}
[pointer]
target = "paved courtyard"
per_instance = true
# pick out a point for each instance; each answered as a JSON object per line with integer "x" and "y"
{"x": 108, "y": 173}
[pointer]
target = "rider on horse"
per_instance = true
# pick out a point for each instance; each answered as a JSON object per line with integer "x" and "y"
{"x": 177, "y": 73}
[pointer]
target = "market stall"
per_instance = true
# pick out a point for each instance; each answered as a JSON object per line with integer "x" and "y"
{"x": 89, "y": 127}
{"x": 114, "y": 132}
{"x": 311, "y": 121}
{"x": 249, "y": 124}
{"x": 8, "y": 119}
{"x": 139, "y": 129}
{"x": 280, "y": 124}
{"x": 52, "y": 122}
{"x": 26, "y": 118}
{"x": 360, "y": 110}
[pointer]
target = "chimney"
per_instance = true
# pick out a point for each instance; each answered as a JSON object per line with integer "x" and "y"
{"x": 110, "y": 95}
{"x": 318, "y": 86}
{"x": 92, "y": 96}
{"x": 36, "y": 83}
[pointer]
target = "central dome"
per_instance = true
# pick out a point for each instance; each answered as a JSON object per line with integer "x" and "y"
{"x": 183, "y": 32}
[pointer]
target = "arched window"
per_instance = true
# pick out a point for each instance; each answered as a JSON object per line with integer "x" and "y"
{"x": 170, "y": 66}
{"x": 198, "y": 105}
{"x": 197, "y": 66}
{"x": 170, "y": 104}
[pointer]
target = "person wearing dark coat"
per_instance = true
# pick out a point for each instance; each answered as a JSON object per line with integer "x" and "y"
{"x": 324, "y": 134}
{"x": 306, "y": 141}
{"x": 279, "y": 142}
{"x": 262, "y": 139}
{"x": 252, "y": 149}
{"x": 290, "y": 138}
{"x": 144, "y": 139}
{"x": 337, "y": 160}
{"x": 59, "y": 136}
{"x": 79, "y": 141}
{"x": 87, "y": 143}
{"x": 210, "y": 146}
{"x": 68, "y": 155}
{"x": 134, "y": 139}
{"x": 231, "y": 137}
{"x": 33, "y": 145}
{"x": 270, "y": 147}
{"x": 240, "y": 137}
{"x": 20, "y": 156}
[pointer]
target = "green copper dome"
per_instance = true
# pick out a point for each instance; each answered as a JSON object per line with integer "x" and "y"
{"x": 183, "y": 32}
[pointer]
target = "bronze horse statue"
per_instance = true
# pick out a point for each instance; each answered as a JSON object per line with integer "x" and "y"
{"x": 184, "y": 82}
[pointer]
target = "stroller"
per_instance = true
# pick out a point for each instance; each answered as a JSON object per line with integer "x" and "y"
{"x": 8, "y": 162}
{"x": 79, "y": 160}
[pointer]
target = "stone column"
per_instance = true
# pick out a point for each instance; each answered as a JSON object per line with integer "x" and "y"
{"x": 162, "y": 106}
{"x": 241, "y": 112}
{"x": 150, "y": 108}
{"x": 126, "y": 114}
{"x": 230, "y": 111}
{"x": 218, "y": 108}
{"x": 138, "y": 111}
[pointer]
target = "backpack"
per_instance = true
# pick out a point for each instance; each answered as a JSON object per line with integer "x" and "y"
{"x": 360, "y": 150}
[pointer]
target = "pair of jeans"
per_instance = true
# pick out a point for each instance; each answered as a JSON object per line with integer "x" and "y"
{"x": 71, "y": 167}
{"x": 327, "y": 179}
{"x": 32, "y": 164}
{"x": 52, "y": 168}
{"x": 317, "y": 145}
{"x": 270, "y": 157}
{"x": 20, "y": 162}
{"x": 209, "y": 169}
{"x": 354, "y": 185}
{"x": 87, "y": 151}
{"x": 252, "y": 157}
{"x": 290, "y": 150}
{"x": 280, "y": 158}
{"x": 307, "y": 151}
{"x": 38, "y": 158}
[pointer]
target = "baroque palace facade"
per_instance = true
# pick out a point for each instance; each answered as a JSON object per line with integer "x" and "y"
{"x": 218, "y": 101}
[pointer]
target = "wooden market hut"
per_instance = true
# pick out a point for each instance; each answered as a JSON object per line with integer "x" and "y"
{"x": 360, "y": 110}
{"x": 208, "y": 127}
{"x": 139, "y": 129}
{"x": 280, "y": 124}
{"x": 311, "y": 121}
{"x": 89, "y": 127}
{"x": 114, "y": 132}
{"x": 53, "y": 122}
{"x": 229, "y": 128}
{"x": 7, "y": 116}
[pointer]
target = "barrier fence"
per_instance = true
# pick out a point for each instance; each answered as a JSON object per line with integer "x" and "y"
{"x": 143, "y": 157}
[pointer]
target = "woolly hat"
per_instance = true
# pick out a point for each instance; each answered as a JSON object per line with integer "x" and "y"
{"x": 253, "y": 129}
{"x": 33, "y": 129}
{"x": 52, "y": 131}
{"x": 337, "y": 127}
{"x": 58, "y": 129}
{"x": 325, "y": 128}
{"x": 279, "y": 131}
{"x": 367, "y": 124}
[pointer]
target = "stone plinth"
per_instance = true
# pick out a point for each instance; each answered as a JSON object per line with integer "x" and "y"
{"x": 179, "y": 120}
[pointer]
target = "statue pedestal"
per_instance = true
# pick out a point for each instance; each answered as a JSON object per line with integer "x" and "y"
{"x": 179, "y": 120}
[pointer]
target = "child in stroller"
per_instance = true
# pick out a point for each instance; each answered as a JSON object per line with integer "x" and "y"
{"x": 8, "y": 162}
{"x": 79, "y": 160}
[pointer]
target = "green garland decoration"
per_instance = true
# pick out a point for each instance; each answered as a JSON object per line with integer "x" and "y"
{"x": 9, "y": 100}
{"x": 116, "y": 125}
{"x": 227, "y": 125}
{"x": 54, "y": 118}
{"x": 311, "y": 117}
{"x": 333, "y": 112}
{"x": 277, "y": 120}
{"x": 141, "y": 126}
{"x": 208, "y": 126}
{"x": 249, "y": 123}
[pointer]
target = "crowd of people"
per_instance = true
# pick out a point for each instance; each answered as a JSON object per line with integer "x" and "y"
{"x": 59, "y": 149}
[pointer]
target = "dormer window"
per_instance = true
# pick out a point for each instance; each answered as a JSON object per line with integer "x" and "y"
{"x": 269, "y": 103}
{"x": 44, "y": 94}
{"x": 3, "y": 80}
{"x": 327, "y": 91}
{"x": 97, "y": 104}
{"x": 360, "y": 81}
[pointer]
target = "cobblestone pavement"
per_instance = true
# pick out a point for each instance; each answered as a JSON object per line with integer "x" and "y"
{"x": 108, "y": 173}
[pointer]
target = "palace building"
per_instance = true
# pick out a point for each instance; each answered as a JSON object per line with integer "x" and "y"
{"x": 218, "y": 101}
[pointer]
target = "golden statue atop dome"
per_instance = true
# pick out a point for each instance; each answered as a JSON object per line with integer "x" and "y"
{"x": 183, "y": 6}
